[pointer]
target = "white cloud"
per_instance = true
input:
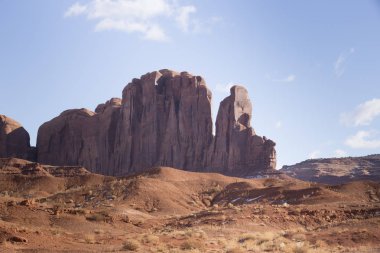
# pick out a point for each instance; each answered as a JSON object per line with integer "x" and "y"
{"x": 315, "y": 154}
{"x": 75, "y": 10}
{"x": 156, "y": 33}
{"x": 224, "y": 88}
{"x": 288, "y": 79}
{"x": 363, "y": 114}
{"x": 364, "y": 139}
{"x": 135, "y": 16}
{"x": 183, "y": 17}
{"x": 151, "y": 32}
{"x": 278, "y": 124}
{"x": 340, "y": 63}
{"x": 340, "y": 153}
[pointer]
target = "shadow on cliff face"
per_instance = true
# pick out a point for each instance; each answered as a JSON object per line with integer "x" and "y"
{"x": 18, "y": 145}
{"x": 244, "y": 119}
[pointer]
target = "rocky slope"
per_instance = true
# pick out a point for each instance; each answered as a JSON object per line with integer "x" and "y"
{"x": 163, "y": 119}
{"x": 336, "y": 170}
{"x": 68, "y": 209}
{"x": 14, "y": 139}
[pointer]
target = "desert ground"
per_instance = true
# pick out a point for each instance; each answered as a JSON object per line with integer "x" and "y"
{"x": 68, "y": 209}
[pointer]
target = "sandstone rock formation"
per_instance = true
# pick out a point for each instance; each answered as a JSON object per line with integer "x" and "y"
{"x": 14, "y": 139}
{"x": 336, "y": 170}
{"x": 236, "y": 147}
{"x": 163, "y": 119}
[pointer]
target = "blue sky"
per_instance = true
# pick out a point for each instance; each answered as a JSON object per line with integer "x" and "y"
{"x": 311, "y": 67}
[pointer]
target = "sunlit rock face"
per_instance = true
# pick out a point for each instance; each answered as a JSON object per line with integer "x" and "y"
{"x": 164, "y": 118}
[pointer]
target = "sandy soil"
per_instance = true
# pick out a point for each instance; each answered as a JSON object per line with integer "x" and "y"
{"x": 68, "y": 209}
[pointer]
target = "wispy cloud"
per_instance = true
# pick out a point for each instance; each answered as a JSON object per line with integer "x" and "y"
{"x": 224, "y": 88}
{"x": 363, "y": 114}
{"x": 315, "y": 154}
{"x": 144, "y": 17}
{"x": 288, "y": 79}
{"x": 278, "y": 124}
{"x": 75, "y": 10}
{"x": 183, "y": 17}
{"x": 364, "y": 140}
{"x": 340, "y": 63}
{"x": 340, "y": 153}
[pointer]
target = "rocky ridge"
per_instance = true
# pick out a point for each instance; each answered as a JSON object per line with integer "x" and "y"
{"x": 336, "y": 170}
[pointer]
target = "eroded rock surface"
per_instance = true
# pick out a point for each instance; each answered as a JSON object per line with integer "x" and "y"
{"x": 14, "y": 139}
{"x": 236, "y": 148}
{"x": 163, "y": 119}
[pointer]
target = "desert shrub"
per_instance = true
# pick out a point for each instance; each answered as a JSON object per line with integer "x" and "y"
{"x": 199, "y": 234}
{"x": 131, "y": 245}
{"x": 90, "y": 239}
{"x": 100, "y": 217}
{"x": 246, "y": 237}
{"x": 150, "y": 239}
{"x": 191, "y": 245}
{"x": 300, "y": 249}
{"x": 258, "y": 238}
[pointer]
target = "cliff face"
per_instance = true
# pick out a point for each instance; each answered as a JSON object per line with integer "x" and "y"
{"x": 236, "y": 148}
{"x": 163, "y": 118}
{"x": 14, "y": 139}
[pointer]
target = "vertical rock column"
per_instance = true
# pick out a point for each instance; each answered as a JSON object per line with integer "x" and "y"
{"x": 237, "y": 150}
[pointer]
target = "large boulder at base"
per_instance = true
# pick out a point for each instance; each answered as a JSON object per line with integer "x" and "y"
{"x": 163, "y": 119}
{"x": 14, "y": 140}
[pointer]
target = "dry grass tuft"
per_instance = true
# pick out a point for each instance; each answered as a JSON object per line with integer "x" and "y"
{"x": 300, "y": 249}
{"x": 258, "y": 238}
{"x": 131, "y": 245}
{"x": 150, "y": 239}
{"x": 90, "y": 239}
{"x": 100, "y": 217}
{"x": 192, "y": 244}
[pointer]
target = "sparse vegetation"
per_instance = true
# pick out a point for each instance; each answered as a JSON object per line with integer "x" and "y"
{"x": 100, "y": 217}
{"x": 150, "y": 239}
{"x": 191, "y": 244}
{"x": 131, "y": 245}
{"x": 228, "y": 227}
{"x": 89, "y": 238}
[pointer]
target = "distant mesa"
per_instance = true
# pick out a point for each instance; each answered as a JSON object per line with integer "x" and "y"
{"x": 163, "y": 119}
{"x": 336, "y": 170}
